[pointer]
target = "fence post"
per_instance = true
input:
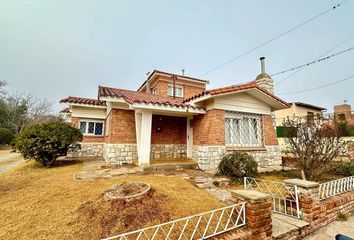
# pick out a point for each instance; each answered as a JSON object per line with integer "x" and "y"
{"x": 258, "y": 212}
{"x": 309, "y": 201}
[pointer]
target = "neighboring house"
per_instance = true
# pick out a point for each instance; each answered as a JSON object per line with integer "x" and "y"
{"x": 174, "y": 116}
{"x": 297, "y": 109}
{"x": 344, "y": 113}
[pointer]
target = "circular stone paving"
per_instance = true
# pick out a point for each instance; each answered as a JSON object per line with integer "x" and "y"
{"x": 127, "y": 190}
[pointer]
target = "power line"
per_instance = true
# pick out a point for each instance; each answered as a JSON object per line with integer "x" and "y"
{"x": 323, "y": 86}
{"x": 313, "y": 62}
{"x": 324, "y": 54}
{"x": 274, "y": 38}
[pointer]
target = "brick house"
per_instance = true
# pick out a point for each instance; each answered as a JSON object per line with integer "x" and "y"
{"x": 174, "y": 116}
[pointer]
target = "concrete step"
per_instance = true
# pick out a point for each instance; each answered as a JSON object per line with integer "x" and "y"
{"x": 170, "y": 166}
{"x": 285, "y": 227}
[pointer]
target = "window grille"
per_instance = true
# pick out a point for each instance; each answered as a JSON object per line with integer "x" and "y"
{"x": 91, "y": 128}
{"x": 243, "y": 129}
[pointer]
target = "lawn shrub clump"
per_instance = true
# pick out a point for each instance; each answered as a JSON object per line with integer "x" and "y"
{"x": 238, "y": 165}
{"x": 46, "y": 142}
{"x": 342, "y": 168}
{"x": 6, "y": 136}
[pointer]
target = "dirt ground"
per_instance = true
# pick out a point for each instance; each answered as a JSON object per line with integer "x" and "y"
{"x": 47, "y": 203}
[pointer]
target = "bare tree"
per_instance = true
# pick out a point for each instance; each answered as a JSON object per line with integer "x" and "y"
{"x": 23, "y": 110}
{"x": 314, "y": 143}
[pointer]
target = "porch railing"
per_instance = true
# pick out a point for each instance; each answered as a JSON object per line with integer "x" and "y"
{"x": 335, "y": 187}
{"x": 200, "y": 226}
{"x": 285, "y": 198}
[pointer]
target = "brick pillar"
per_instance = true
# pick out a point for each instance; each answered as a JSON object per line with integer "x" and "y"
{"x": 258, "y": 212}
{"x": 309, "y": 202}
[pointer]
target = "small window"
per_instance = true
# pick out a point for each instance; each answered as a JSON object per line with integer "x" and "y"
{"x": 91, "y": 128}
{"x": 178, "y": 90}
{"x": 154, "y": 91}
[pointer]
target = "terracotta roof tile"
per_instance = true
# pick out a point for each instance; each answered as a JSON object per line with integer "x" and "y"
{"x": 80, "y": 100}
{"x": 235, "y": 88}
{"x": 65, "y": 110}
{"x": 139, "y": 97}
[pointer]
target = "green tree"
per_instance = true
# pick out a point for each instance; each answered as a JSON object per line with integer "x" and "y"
{"x": 46, "y": 142}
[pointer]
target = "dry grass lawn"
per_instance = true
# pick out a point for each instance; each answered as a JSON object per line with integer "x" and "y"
{"x": 40, "y": 203}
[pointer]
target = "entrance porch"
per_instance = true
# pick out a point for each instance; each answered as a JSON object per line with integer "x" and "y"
{"x": 164, "y": 139}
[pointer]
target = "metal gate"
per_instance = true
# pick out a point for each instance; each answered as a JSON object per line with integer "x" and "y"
{"x": 285, "y": 198}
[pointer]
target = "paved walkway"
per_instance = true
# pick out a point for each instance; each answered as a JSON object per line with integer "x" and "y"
{"x": 332, "y": 229}
{"x": 9, "y": 160}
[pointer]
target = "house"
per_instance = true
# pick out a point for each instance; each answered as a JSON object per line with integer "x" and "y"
{"x": 174, "y": 116}
{"x": 343, "y": 112}
{"x": 297, "y": 109}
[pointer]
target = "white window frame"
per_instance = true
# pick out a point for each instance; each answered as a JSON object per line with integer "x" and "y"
{"x": 170, "y": 93}
{"x": 244, "y": 124}
{"x": 86, "y": 133}
{"x": 154, "y": 90}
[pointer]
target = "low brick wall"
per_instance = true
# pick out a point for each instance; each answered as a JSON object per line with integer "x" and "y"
{"x": 120, "y": 153}
{"x": 168, "y": 151}
{"x": 88, "y": 150}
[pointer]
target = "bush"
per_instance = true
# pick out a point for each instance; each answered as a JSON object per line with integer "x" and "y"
{"x": 238, "y": 165}
{"x": 342, "y": 168}
{"x": 6, "y": 136}
{"x": 46, "y": 142}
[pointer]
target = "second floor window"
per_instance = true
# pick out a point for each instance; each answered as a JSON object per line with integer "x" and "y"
{"x": 91, "y": 128}
{"x": 178, "y": 90}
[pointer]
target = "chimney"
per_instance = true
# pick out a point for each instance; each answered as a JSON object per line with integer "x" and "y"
{"x": 263, "y": 79}
{"x": 183, "y": 70}
{"x": 262, "y": 64}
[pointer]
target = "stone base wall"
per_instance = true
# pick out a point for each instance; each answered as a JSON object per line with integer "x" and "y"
{"x": 88, "y": 150}
{"x": 168, "y": 151}
{"x": 120, "y": 153}
{"x": 209, "y": 157}
{"x": 270, "y": 157}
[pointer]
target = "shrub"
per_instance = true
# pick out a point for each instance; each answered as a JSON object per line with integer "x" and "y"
{"x": 46, "y": 142}
{"x": 342, "y": 168}
{"x": 6, "y": 136}
{"x": 238, "y": 165}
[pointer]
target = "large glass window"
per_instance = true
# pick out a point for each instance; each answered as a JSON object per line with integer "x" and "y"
{"x": 91, "y": 127}
{"x": 243, "y": 129}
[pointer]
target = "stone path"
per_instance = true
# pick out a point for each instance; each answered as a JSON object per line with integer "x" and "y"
{"x": 334, "y": 228}
{"x": 284, "y": 226}
{"x": 9, "y": 161}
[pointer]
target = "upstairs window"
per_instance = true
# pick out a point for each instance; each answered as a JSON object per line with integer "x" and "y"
{"x": 243, "y": 129}
{"x": 154, "y": 91}
{"x": 94, "y": 128}
{"x": 178, "y": 90}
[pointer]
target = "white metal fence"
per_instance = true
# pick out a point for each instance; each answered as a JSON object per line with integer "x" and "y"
{"x": 199, "y": 226}
{"x": 285, "y": 198}
{"x": 335, "y": 187}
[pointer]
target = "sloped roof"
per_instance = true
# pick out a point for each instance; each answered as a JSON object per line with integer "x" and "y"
{"x": 309, "y": 105}
{"x": 170, "y": 75}
{"x": 139, "y": 97}
{"x": 80, "y": 100}
{"x": 236, "y": 88}
{"x": 65, "y": 110}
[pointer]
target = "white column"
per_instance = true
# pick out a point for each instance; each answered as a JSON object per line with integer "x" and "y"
{"x": 189, "y": 138}
{"x": 145, "y": 146}
{"x": 138, "y": 118}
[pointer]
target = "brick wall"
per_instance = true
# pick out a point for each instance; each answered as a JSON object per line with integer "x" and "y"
{"x": 122, "y": 127}
{"x": 188, "y": 91}
{"x": 269, "y": 134}
{"x": 209, "y": 129}
{"x": 173, "y": 130}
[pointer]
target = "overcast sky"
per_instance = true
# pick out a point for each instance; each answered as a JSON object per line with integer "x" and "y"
{"x": 57, "y": 48}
